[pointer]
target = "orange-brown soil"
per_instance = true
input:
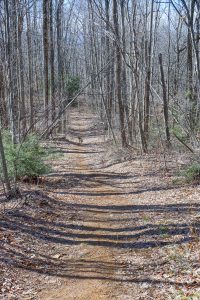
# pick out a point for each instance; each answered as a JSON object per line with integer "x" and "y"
{"x": 93, "y": 230}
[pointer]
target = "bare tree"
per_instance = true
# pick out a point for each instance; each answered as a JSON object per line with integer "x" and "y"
{"x": 165, "y": 102}
{"x": 46, "y": 57}
{"x": 119, "y": 72}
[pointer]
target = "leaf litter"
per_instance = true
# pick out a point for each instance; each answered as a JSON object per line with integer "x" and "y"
{"x": 101, "y": 228}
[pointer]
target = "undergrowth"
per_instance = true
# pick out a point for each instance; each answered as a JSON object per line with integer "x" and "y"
{"x": 26, "y": 159}
{"x": 192, "y": 172}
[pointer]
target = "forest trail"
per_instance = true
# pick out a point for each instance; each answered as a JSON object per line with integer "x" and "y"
{"x": 106, "y": 221}
{"x": 96, "y": 229}
{"x": 95, "y": 267}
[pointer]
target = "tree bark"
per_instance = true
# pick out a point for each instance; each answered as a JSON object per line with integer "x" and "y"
{"x": 148, "y": 58}
{"x": 46, "y": 57}
{"x": 53, "y": 106}
{"x": 4, "y": 165}
{"x": 165, "y": 102}
{"x": 30, "y": 69}
{"x": 21, "y": 72}
{"x": 119, "y": 73}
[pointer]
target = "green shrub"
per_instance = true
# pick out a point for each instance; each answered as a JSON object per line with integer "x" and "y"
{"x": 26, "y": 159}
{"x": 192, "y": 172}
{"x": 73, "y": 85}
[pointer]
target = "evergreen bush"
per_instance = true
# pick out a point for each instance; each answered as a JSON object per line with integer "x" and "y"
{"x": 26, "y": 159}
{"x": 192, "y": 172}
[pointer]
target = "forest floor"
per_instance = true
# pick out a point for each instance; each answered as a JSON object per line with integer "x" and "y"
{"x": 97, "y": 228}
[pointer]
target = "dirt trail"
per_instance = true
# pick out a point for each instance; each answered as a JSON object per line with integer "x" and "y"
{"x": 99, "y": 230}
{"x": 123, "y": 226}
{"x": 98, "y": 282}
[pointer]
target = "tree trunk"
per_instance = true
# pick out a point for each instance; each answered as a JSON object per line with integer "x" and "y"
{"x": 11, "y": 28}
{"x": 30, "y": 69}
{"x": 46, "y": 58}
{"x": 4, "y": 165}
{"x": 124, "y": 76}
{"x": 148, "y": 58}
{"x": 165, "y": 102}
{"x": 21, "y": 73}
{"x": 53, "y": 108}
{"x": 118, "y": 73}
{"x": 108, "y": 71}
{"x": 59, "y": 56}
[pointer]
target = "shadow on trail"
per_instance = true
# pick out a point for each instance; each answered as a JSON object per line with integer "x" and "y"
{"x": 51, "y": 223}
{"x": 77, "y": 151}
{"x": 83, "y": 183}
{"x": 102, "y": 194}
{"x": 46, "y": 225}
{"x": 82, "y": 268}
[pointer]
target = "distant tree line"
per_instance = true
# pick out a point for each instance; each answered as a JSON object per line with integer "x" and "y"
{"x": 138, "y": 62}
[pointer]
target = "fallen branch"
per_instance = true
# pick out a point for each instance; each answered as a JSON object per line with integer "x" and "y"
{"x": 183, "y": 143}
